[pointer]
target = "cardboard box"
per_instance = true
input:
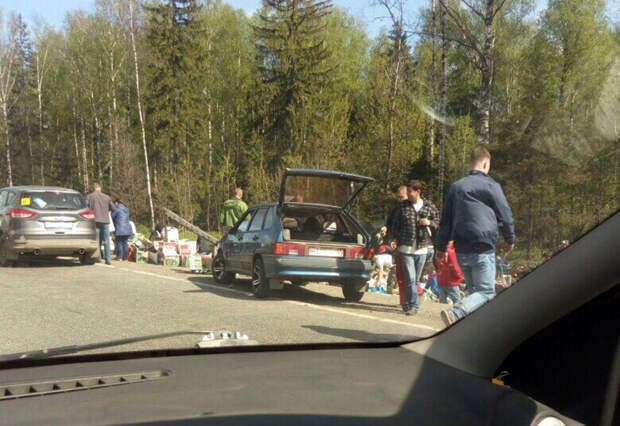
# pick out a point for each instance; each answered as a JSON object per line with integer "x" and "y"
{"x": 171, "y": 260}
{"x": 206, "y": 261}
{"x": 187, "y": 247}
{"x": 170, "y": 249}
{"x": 142, "y": 256}
{"x": 194, "y": 262}
{"x": 154, "y": 258}
{"x": 172, "y": 234}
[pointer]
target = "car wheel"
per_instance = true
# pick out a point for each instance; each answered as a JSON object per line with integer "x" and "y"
{"x": 88, "y": 259}
{"x": 260, "y": 283}
{"x": 353, "y": 291}
{"x": 220, "y": 275}
{"x": 4, "y": 260}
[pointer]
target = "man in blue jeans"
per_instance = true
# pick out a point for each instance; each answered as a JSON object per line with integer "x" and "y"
{"x": 101, "y": 204}
{"x": 474, "y": 212}
{"x": 427, "y": 222}
{"x": 403, "y": 228}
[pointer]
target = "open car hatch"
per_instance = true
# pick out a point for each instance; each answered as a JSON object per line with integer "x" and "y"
{"x": 323, "y": 187}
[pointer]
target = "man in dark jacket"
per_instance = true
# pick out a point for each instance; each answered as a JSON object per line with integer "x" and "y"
{"x": 101, "y": 204}
{"x": 474, "y": 212}
{"x": 122, "y": 229}
{"x": 426, "y": 227}
{"x": 402, "y": 227}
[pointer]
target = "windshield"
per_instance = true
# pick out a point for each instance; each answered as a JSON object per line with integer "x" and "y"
{"x": 487, "y": 130}
{"x": 50, "y": 200}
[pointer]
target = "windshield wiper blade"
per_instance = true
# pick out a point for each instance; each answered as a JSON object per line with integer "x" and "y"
{"x": 71, "y": 349}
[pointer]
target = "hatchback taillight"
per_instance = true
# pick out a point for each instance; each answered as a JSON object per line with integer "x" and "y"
{"x": 360, "y": 253}
{"x": 288, "y": 249}
{"x": 21, "y": 213}
{"x": 89, "y": 215}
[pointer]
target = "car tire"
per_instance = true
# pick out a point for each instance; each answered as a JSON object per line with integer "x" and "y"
{"x": 4, "y": 260}
{"x": 353, "y": 291}
{"x": 218, "y": 268}
{"x": 88, "y": 259}
{"x": 260, "y": 283}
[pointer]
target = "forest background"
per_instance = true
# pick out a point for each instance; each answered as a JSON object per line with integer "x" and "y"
{"x": 174, "y": 103}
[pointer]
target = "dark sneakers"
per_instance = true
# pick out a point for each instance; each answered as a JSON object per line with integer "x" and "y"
{"x": 409, "y": 311}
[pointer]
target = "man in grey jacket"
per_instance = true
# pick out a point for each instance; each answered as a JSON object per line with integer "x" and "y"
{"x": 101, "y": 204}
{"x": 474, "y": 212}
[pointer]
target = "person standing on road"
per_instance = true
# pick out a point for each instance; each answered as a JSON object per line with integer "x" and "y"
{"x": 403, "y": 228}
{"x": 427, "y": 224}
{"x": 120, "y": 217}
{"x": 101, "y": 204}
{"x": 233, "y": 209}
{"x": 474, "y": 212}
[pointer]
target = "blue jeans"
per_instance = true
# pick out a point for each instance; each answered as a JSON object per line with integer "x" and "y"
{"x": 479, "y": 273}
{"x": 420, "y": 261}
{"x": 449, "y": 291}
{"x": 103, "y": 234}
{"x": 411, "y": 284}
{"x": 123, "y": 246}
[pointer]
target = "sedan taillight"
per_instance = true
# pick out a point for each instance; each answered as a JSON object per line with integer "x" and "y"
{"x": 89, "y": 215}
{"x": 21, "y": 213}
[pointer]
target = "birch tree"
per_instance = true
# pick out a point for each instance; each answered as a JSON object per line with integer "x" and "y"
{"x": 482, "y": 13}
{"x": 7, "y": 81}
{"x": 132, "y": 36}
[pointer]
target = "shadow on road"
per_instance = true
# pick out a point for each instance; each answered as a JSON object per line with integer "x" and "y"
{"x": 289, "y": 292}
{"x": 48, "y": 262}
{"x": 360, "y": 335}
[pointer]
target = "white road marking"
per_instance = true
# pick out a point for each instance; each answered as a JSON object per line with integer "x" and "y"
{"x": 370, "y": 317}
{"x": 294, "y": 302}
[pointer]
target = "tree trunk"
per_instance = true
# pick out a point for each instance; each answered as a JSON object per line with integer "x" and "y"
{"x": 486, "y": 72}
{"x": 431, "y": 127}
{"x": 84, "y": 154}
{"x": 7, "y": 141}
{"x": 442, "y": 108}
{"x": 140, "y": 114}
{"x": 40, "y": 71}
{"x": 30, "y": 153}
{"x": 75, "y": 142}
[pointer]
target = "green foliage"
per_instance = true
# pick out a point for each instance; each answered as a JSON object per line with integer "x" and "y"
{"x": 232, "y": 100}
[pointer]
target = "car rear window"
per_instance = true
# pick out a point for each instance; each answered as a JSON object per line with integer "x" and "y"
{"x": 50, "y": 200}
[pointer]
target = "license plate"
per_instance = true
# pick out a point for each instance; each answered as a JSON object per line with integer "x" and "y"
{"x": 325, "y": 252}
{"x": 58, "y": 225}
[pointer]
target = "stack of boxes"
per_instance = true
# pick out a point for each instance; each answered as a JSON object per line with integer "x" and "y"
{"x": 175, "y": 253}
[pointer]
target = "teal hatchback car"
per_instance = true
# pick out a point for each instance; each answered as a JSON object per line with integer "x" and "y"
{"x": 308, "y": 235}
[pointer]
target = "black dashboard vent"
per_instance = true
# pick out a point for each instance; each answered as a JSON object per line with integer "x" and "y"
{"x": 24, "y": 390}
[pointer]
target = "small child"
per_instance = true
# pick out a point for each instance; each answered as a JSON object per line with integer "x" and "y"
{"x": 449, "y": 277}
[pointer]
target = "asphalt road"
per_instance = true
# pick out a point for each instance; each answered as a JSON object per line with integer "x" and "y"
{"x": 63, "y": 303}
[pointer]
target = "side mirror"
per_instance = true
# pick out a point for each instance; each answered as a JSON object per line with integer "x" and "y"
{"x": 286, "y": 234}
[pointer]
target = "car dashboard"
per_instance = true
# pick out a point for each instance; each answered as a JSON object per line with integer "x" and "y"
{"x": 359, "y": 385}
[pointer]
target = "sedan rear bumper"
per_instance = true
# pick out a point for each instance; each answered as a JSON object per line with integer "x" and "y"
{"x": 316, "y": 268}
{"x": 51, "y": 246}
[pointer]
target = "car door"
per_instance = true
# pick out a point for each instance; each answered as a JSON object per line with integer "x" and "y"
{"x": 251, "y": 239}
{"x": 232, "y": 246}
